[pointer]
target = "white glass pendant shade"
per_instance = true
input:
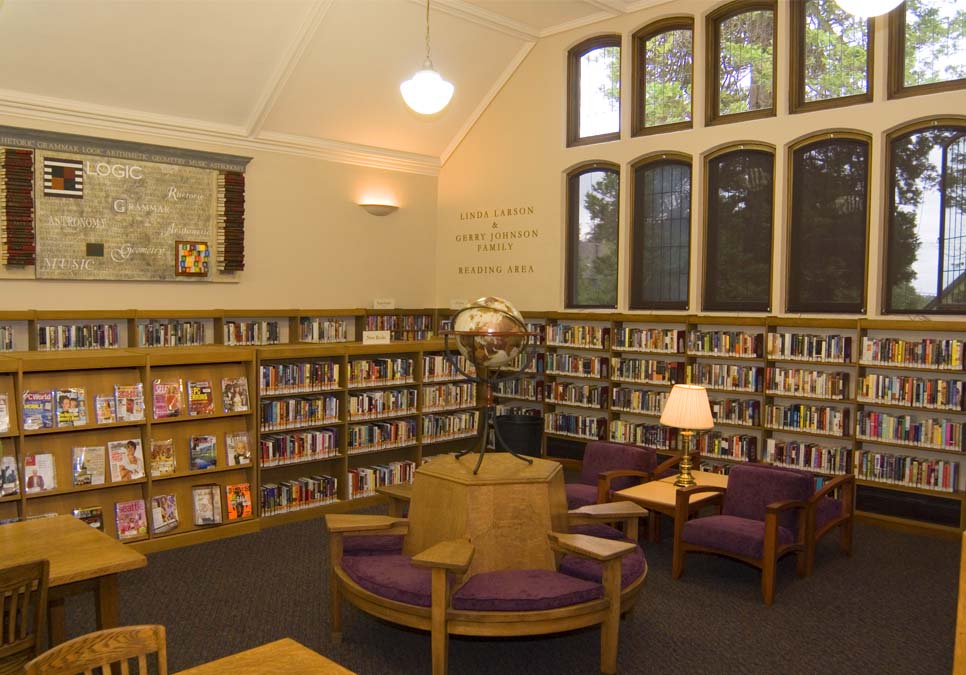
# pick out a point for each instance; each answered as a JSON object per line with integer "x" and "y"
{"x": 868, "y": 8}
{"x": 426, "y": 92}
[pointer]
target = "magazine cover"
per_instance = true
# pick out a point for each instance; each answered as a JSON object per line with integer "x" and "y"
{"x": 162, "y": 457}
{"x": 234, "y": 394}
{"x": 239, "y": 501}
{"x": 131, "y": 518}
{"x": 104, "y": 410}
{"x": 9, "y": 482}
{"x": 71, "y": 407}
{"x": 39, "y": 472}
{"x": 127, "y": 459}
{"x": 38, "y": 409}
{"x": 207, "y": 504}
{"x": 238, "y": 448}
{"x": 4, "y": 414}
{"x": 166, "y": 396}
{"x": 200, "y": 400}
{"x": 202, "y": 452}
{"x": 129, "y": 402}
{"x": 92, "y": 515}
{"x": 164, "y": 513}
{"x": 88, "y": 465}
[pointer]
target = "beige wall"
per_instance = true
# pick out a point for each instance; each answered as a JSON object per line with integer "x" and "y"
{"x": 517, "y": 153}
{"x": 307, "y": 243}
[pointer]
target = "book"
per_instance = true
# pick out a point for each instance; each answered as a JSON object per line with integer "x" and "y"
{"x": 4, "y": 414}
{"x": 164, "y": 513}
{"x": 129, "y": 402}
{"x": 71, "y": 407}
{"x": 88, "y": 465}
{"x": 9, "y": 482}
{"x": 104, "y": 409}
{"x": 166, "y": 398}
{"x": 200, "y": 398}
{"x": 131, "y": 519}
{"x": 92, "y": 515}
{"x": 238, "y": 448}
{"x": 39, "y": 471}
{"x": 239, "y": 498}
{"x": 207, "y": 504}
{"x": 127, "y": 459}
{"x": 234, "y": 394}
{"x": 201, "y": 450}
{"x": 38, "y": 409}
{"x": 162, "y": 457}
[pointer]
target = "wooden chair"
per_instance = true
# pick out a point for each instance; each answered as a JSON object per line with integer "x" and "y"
{"x": 23, "y": 594}
{"x": 104, "y": 648}
{"x": 827, "y": 513}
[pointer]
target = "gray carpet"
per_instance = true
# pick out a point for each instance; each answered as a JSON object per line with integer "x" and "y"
{"x": 889, "y": 609}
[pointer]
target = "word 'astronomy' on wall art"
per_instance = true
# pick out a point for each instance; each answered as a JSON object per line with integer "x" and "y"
{"x": 76, "y": 207}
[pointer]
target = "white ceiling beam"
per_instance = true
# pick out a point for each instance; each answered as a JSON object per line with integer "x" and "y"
{"x": 286, "y": 66}
{"x": 481, "y": 17}
{"x": 613, "y": 6}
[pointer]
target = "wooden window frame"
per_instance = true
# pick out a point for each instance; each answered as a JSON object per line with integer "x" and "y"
{"x": 713, "y": 62}
{"x": 796, "y": 90}
{"x": 639, "y": 77}
{"x": 706, "y": 210}
{"x": 897, "y": 62}
{"x": 573, "y": 89}
{"x": 573, "y": 230}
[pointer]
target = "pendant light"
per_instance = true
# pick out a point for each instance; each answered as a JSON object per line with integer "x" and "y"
{"x": 868, "y": 8}
{"x": 426, "y": 92}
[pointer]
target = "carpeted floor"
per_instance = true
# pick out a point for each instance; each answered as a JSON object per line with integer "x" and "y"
{"x": 889, "y": 609}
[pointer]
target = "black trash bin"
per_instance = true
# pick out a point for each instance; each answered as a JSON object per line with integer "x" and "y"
{"x": 521, "y": 433}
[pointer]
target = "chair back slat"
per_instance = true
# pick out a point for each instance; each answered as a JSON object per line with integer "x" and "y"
{"x": 23, "y": 608}
{"x": 104, "y": 649}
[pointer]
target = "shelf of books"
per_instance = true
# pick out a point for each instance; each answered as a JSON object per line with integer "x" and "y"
{"x": 15, "y": 330}
{"x": 326, "y": 326}
{"x": 255, "y": 327}
{"x": 56, "y": 330}
{"x": 10, "y": 471}
{"x": 185, "y": 328}
{"x": 448, "y": 403}
{"x": 403, "y": 325}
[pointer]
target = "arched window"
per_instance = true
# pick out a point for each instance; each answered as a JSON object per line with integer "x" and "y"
{"x": 593, "y": 198}
{"x": 594, "y": 91}
{"x": 737, "y": 263}
{"x": 927, "y": 47}
{"x": 926, "y": 242}
{"x": 831, "y": 56}
{"x": 661, "y": 238}
{"x": 829, "y": 225}
{"x": 663, "y": 75}
{"x": 741, "y": 61}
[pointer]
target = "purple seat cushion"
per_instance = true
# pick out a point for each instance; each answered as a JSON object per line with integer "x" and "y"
{"x": 632, "y": 567}
{"x": 523, "y": 591}
{"x": 603, "y": 456}
{"x": 597, "y": 530}
{"x": 372, "y": 544}
{"x": 731, "y": 534}
{"x": 391, "y": 576}
{"x": 579, "y": 494}
{"x": 752, "y": 487}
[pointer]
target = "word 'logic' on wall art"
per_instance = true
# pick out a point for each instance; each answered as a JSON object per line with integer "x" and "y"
{"x": 76, "y": 207}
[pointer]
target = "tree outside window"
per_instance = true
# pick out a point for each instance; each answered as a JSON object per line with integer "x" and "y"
{"x": 593, "y": 237}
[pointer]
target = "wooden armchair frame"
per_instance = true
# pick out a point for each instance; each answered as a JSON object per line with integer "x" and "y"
{"x": 844, "y": 521}
{"x": 771, "y": 551}
{"x": 104, "y": 648}
{"x": 23, "y": 589}
{"x": 605, "y": 478}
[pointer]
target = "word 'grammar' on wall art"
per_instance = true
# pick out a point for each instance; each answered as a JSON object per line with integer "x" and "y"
{"x": 77, "y": 207}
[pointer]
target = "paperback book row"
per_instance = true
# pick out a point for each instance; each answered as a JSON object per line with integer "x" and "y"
{"x": 289, "y": 413}
{"x": 532, "y": 390}
{"x": 922, "y": 392}
{"x": 739, "y": 344}
{"x": 294, "y": 378}
{"x": 78, "y": 336}
{"x": 316, "y": 329}
{"x": 584, "y": 395}
{"x": 942, "y": 434}
{"x": 803, "y": 382}
{"x": 577, "y": 366}
{"x": 297, "y": 494}
{"x": 921, "y": 472}
{"x": 580, "y": 336}
{"x": 450, "y": 425}
{"x": 647, "y": 371}
{"x": 369, "y": 372}
{"x": 449, "y": 395}
{"x": 251, "y": 333}
{"x": 726, "y": 376}
{"x": 298, "y": 446}
{"x": 382, "y": 402}
{"x": 810, "y": 456}
{"x": 666, "y": 340}
{"x": 944, "y": 354}
{"x": 363, "y": 481}
{"x": 381, "y": 435}
{"x": 584, "y": 426}
{"x": 173, "y": 333}
{"x": 438, "y": 367}
{"x": 812, "y": 418}
{"x": 651, "y": 435}
{"x": 736, "y": 447}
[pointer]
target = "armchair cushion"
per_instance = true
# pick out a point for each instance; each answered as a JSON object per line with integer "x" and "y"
{"x": 633, "y": 566}
{"x": 752, "y": 488}
{"x": 602, "y": 456}
{"x": 523, "y": 591}
{"x": 372, "y": 544}
{"x": 597, "y": 530}
{"x": 391, "y": 576}
{"x": 580, "y": 494}
{"x": 739, "y": 536}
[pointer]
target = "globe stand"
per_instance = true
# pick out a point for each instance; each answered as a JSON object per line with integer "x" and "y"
{"x": 487, "y": 378}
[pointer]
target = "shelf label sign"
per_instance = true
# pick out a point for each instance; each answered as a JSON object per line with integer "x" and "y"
{"x": 375, "y": 337}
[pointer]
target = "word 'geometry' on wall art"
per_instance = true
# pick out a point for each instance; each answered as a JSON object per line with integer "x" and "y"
{"x": 76, "y": 207}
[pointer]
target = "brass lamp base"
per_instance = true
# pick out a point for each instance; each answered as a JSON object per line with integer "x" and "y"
{"x": 685, "y": 479}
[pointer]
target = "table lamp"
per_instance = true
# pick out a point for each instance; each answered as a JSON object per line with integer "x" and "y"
{"x": 687, "y": 409}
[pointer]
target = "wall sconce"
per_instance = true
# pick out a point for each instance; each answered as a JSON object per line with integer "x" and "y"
{"x": 379, "y": 209}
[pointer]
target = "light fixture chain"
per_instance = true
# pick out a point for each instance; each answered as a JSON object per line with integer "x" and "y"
{"x": 428, "y": 60}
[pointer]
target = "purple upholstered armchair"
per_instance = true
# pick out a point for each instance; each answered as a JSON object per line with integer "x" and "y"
{"x": 764, "y": 516}
{"x": 608, "y": 467}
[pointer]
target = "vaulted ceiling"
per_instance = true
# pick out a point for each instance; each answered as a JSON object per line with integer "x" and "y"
{"x": 316, "y": 77}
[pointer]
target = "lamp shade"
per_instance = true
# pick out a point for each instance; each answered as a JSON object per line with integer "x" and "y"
{"x": 867, "y": 8}
{"x": 687, "y": 407}
{"x": 426, "y": 92}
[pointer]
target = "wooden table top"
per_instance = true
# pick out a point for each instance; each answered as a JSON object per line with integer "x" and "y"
{"x": 399, "y": 491}
{"x": 76, "y": 550}
{"x": 663, "y": 494}
{"x": 282, "y": 657}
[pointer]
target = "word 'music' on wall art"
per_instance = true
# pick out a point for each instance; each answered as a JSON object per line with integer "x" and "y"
{"x": 76, "y": 207}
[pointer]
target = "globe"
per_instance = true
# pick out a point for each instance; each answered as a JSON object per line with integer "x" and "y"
{"x": 493, "y": 332}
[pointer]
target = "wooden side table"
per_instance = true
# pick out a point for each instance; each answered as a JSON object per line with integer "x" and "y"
{"x": 281, "y": 657}
{"x": 660, "y": 496}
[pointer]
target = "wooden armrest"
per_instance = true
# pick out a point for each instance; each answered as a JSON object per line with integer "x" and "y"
{"x": 847, "y": 481}
{"x": 786, "y": 504}
{"x": 590, "y": 547}
{"x": 348, "y": 522}
{"x": 454, "y": 555}
{"x": 617, "y": 473}
{"x": 403, "y": 491}
{"x": 609, "y": 511}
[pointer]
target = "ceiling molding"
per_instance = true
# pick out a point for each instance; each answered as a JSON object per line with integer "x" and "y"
{"x": 348, "y": 153}
{"x": 285, "y": 68}
{"x": 504, "y": 77}
{"x": 577, "y": 23}
{"x": 481, "y": 17}
{"x": 615, "y": 7}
